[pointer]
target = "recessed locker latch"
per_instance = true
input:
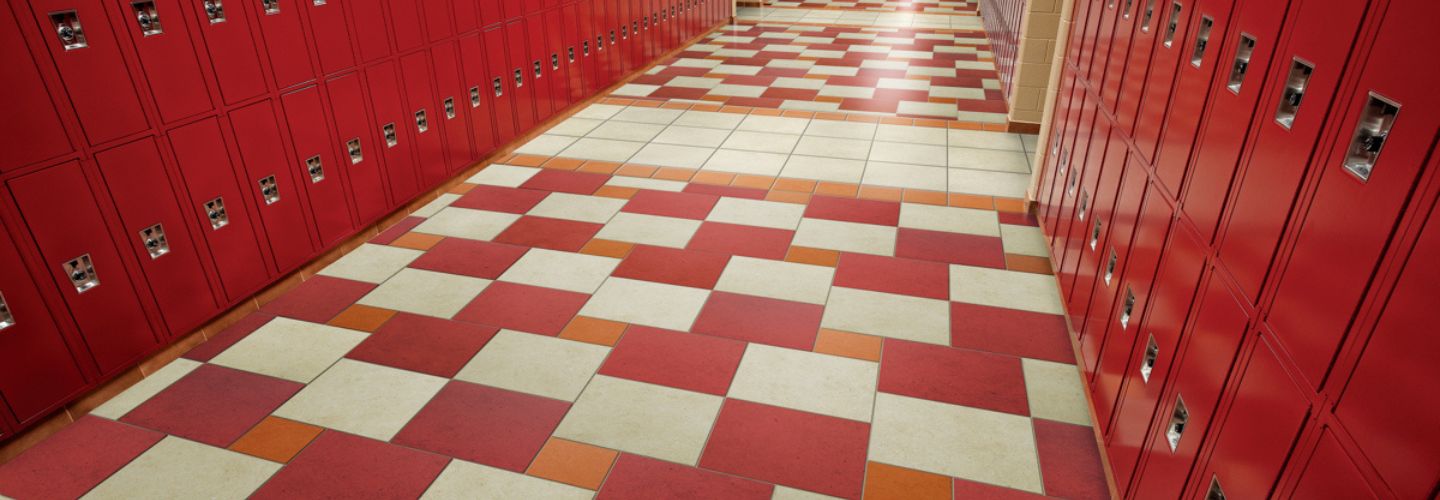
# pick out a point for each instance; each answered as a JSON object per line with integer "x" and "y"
{"x": 475, "y": 96}
{"x": 1084, "y": 204}
{"x": 153, "y": 239}
{"x": 1294, "y": 92}
{"x": 555, "y": 59}
{"x": 1242, "y": 62}
{"x": 214, "y": 11}
{"x": 1126, "y": 11}
{"x": 449, "y": 104}
{"x": 270, "y": 190}
{"x": 147, "y": 17}
{"x": 519, "y": 78}
{"x": 316, "y": 170}
{"x": 1175, "y": 10}
{"x": 1110, "y": 265}
{"x": 67, "y": 28}
{"x": 1127, "y": 311}
{"x": 215, "y": 213}
{"x": 1178, "y": 419}
{"x": 388, "y": 130}
{"x": 1148, "y": 16}
{"x": 422, "y": 124}
{"x": 570, "y": 53}
{"x": 1147, "y": 364}
{"x": 7, "y": 320}
{"x": 585, "y": 48}
{"x": 1370, "y": 135}
{"x": 1215, "y": 492}
{"x": 1095, "y": 235}
{"x": 499, "y": 87}
{"x": 81, "y": 272}
{"x": 272, "y": 7}
{"x": 1202, "y": 40}
{"x": 538, "y": 68}
{"x": 352, "y": 147}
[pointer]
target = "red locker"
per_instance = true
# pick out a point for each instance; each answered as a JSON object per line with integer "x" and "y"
{"x": 557, "y": 64}
{"x": 521, "y": 81}
{"x": 1109, "y": 258}
{"x": 478, "y": 94}
{"x": 1076, "y": 44}
{"x": 1170, "y": 50}
{"x": 1068, "y": 194}
{"x": 424, "y": 118}
{"x": 454, "y": 97}
{"x": 262, "y": 153}
{"x": 1119, "y": 53}
{"x": 317, "y": 166}
{"x": 502, "y": 89}
{"x": 37, "y": 369}
{"x": 1137, "y": 66}
{"x": 91, "y": 67}
{"x": 331, "y": 35}
{"x": 538, "y": 66}
{"x": 157, "y": 234}
{"x": 405, "y": 20}
{"x": 205, "y": 166}
{"x": 1057, "y": 162}
{"x": 393, "y": 120}
{"x": 467, "y": 15}
{"x": 359, "y": 155}
{"x": 371, "y": 27}
{"x": 231, "y": 49}
{"x": 84, "y": 264}
{"x": 30, "y": 128}
{"x": 438, "y": 19}
{"x": 1331, "y": 473}
{"x": 1081, "y": 217}
{"x": 1103, "y": 39}
{"x": 168, "y": 57}
{"x": 604, "y": 43}
{"x": 285, "y": 40}
{"x": 1300, "y": 91}
{"x": 490, "y": 13}
{"x": 1192, "y": 89}
{"x": 513, "y": 9}
{"x": 576, "y": 61}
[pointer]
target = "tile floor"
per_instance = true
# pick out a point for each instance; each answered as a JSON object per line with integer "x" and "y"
{"x": 647, "y": 301}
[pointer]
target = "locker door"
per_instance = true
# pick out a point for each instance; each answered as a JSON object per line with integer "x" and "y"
{"x": 1069, "y": 194}
{"x": 604, "y": 46}
{"x": 538, "y": 66}
{"x": 157, "y": 234}
{"x": 438, "y": 19}
{"x": 513, "y": 9}
{"x": 263, "y": 155}
{"x": 1119, "y": 52}
{"x": 1386, "y": 132}
{"x": 1147, "y": 15}
{"x": 1173, "y": 28}
{"x": 317, "y": 166}
{"x": 424, "y": 117}
{"x": 30, "y": 127}
{"x": 371, "y": 28}
{"x": 231, "y": 50}
{"x": 1217, "y": 150}
{"x": 1192, "y": 88}
{"x": 285, "y": 41}
{"x": 1332, "y": 473}
{"x": 84, "y": 264}
{"x": 331, "y": 35}
{"x": 168, "y": 57}
{"x": 1057, "y": 162}
{"x": 205, "y": 165}
{"x": 1105, "y": 44}
{"x": 491, "y": 13}
{"x": 521, "y": 80}
{"x": 91, "y": 67}
{"x": 1077, "y": 43}
{"x": 1307, "y": 74}
{"x": 405, "y": 19}
{"x": 502, "y": 88}
{"x": 454, "y": 97}
{"x": 359, "y": 156}
{"x": 1082, "y": 214}
{"x": 479, "y": 93}
{"x": 393, "y": 120}
{"x": 556, "y": 61}
{"x": 1097, "y": 39}
{"x": 1108, "y": 258}
{"x": 575, "y": 59}
{"x": 1088, "y": 235}
{"x": 467, "y": 15}
{"x": 37, "y": 369}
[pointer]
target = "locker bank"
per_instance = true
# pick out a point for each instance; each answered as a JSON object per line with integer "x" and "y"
{"x": 705, "y": 249}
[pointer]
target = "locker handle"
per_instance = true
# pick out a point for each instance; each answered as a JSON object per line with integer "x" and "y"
{"x": 1178, "y": 419}
{"x": 316, "y": 170}
{"x": 352, "y": 147}
{"x": 1293, "y": 94}
{"x": 499, "y": 88}
{"x": 214, "y": 11}
{"x": 269, "y": 190}
{"x": 272, "y": 7}
{"x": 1175, "y": 10}
{"x": 570, "y": 53}
{"x": 1084, "y": 204}
{"x": 81, "y": 272}
{"x": 519, "y": 78}
{"x": 7, "y": 319}
{"x": 1095, "y": 235}
{"x": 1147, "y": 363}
{"x": 475, "y": 96}
{"x": 537, "y": 67}
{"x": 216, "y": 214}
{"x": 585, "y": 48}
{"x": 1125, "y": 12}
{"x": 1370, "y": 135}
{"x": 67, "y": 28}
{"x": 391, "y": 139}
{"x": 153, "y": 239}
{"x": 1242, "y": 62}
{"x": 555, "y": 59}
{"x": 147, "y": 17}
{"x": 449, "y": 105}
{"x": 1202, "y": 40}
{"x": 1110, "y": 264}
{"x": 1127, "y": 311}
{"x": 422, "y": 124}
{"x": 1148, "y": 16}
{"x": 1215, "y": 492}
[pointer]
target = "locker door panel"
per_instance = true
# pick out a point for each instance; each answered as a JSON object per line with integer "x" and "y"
{"x": 93, "y": 70}
{"x": 1083, "y": 214}
{"x": 491, "y": 13}
{"x": 502, "y": 88}
{"x": 1059, "y": 159}
{"x": 1361, "y": 195}
{"x": 30, "y": 127}
{"x": 513, "y": 9}
{"x": 576, "y": 61}
{"x": 405, "y": 19}
{"x": 263, "y": 155}
{"x": 1264, "y": 419}
{"x": 205, "y": 165}
{"x": 331, "y": 35}
{"x": 1119, "y": 53}
{"x": 438, "y": 19}
{"x": 317, "y": 166}
{"x": 537, "y": 66}
{"x": 359, "y": 154}
{"x": 424, "y": 117}
{"x": 1089, "y": 237}
{"x": 1103, "y": 39}
{"x": 371, "y": 28}
{"x": 521, "y": 81}
{"x": 168, "y": 57}
{"x": 478, "y": 94}
{"x": 1147, "y": 14}
{"x": 454, "y": 98}
{"x": 84, "y": 264}
{"x": 1170, "y": 48}
{"x": 1332, "y": 473}
{"x": 1112, "y": 249}
{"x": 1322, "y": 37}
{"x": 1084, "y": 139}
{"x": 285, "y": 41}
{"x": 556, "y": 64}
{"x": 37, "y": 369}
{"x": 393, "y": 121}
{"x": 466, "y": 15}
{"x": 1076, "y": 45}
{"x": 1192, "y": 90}
{"x": 232, "y": 50}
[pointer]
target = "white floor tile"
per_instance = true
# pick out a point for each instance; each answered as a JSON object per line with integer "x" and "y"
{"x": 823, "y": 169}
{"x": 574, "y": 272}
{"x": 535, "y": 364}
{"x": 776, "y": 279}
{"x": 290, "y": 349}
{"x": 1002, "y": 288}
{"x": 1055, "y": 392}
{"x": 970, "y": 443}
{"x": 950, "y": 219}
{"x": 594, "y": 209}
{"x": 806, "y": 381}
{"x": 757, "y": 213}
{"x": 888, "y": 315}
{"x": 646, "y": 303}
{"x": 846, "y": 236}
{"x": 651, "y": 420}
{"x": 650, "y": 230}
{"x": 425, "y": 292}
{"x": 178, "y": 468}
{"x": 463, "y": 480}
{"x": 364, "y": 399}
{"x": 371, "y": 263}
{"x": 467, "y": 223}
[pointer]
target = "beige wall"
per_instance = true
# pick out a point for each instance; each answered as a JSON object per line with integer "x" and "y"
{"x": 1055, "y": 63}
{"x": 1039, "y": 41}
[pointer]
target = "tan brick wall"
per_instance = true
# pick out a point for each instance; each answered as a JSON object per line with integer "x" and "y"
{"x": 1039, "y": 44}
{"x": 1055, "y": 62}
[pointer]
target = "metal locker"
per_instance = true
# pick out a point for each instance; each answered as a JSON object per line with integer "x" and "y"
{"x": 501, "y": 87}
{"x": 1303, "y": 82}
{"x": 603, "y": 34}
{"x": 1076, "y": 43}
{"x": 1103, "y": 41}
{"x": 359, "y": 155}
{"x": 1120, "y": 49}
{"x": 405, "y": 20}
{"x": 1217, "y": 149}
{"x": 1105, "y": 264}
{"x": 576, "y": 60}
{"x": 520, "y": 81}
{"x": 84, "y": 264}
{"x": 537, "y": 66}
{"x": 1079, "y": 216}
{"x": 438, "y": 19}
{"x": 284, "y": 36}
{"x": 231, "y": 49}
{"x": 424, "y": 117}
{"x": 262, "y": 154}
{"x": 467, "y": 15}
{"x": 316, "y": 165}
{"x": 397, "y": 139}
{"x": 1331, "y": 473}
{"x": 556, "y": 62}
{"x": 157, "y": 234}
{"x": 371, "y": 27}
{"x": 490, "y": 13}
{"x": 1089, "y": 232}
{"x": 30, "y": 127}
{"x": 478, "y": 94}
{"x": 1057, "y": 159}
{"x": 78, "y": 35}
{"x": 1386, "y": 128}
{"x": 454, "y": 101}
{"x": 162, "y": 40}
{"x": 1192, "y": 90}
{"x": 1170, "y": 48}
{"x": 331, "y": 35}
{"x": 37, "y": 368}
{"x": 205, "y": 166}
{"x": 1083, "y": 139}
{"x": 513, "y": 9}
{"x": 1146, "y": 18}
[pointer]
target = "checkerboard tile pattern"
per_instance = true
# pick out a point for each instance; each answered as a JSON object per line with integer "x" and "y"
{"x": 858, "y": 17}
{"x": 933, "y": 6}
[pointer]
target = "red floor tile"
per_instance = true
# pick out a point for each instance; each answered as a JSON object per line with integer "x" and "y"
{"x": 554, "y": 234}
{"x": 480, "y": 259}
{"x": 500, "y": 199}
{"x": 639, "y": 478}
{"x": 757, "y": 319}
{"x": 883, "y": 213}
{"x": 957, "y": 376}
{"x": 397, "y": 230}
{"x": 525, "y": 308}
{"x": 682, "y": 205}
{"x": 731, "y": 191}
{"x": 318, "y": 299}
{"x": 71, "y": 462}
{"x": 735, "y": 239}
{"x": 891, "y": 275}
{"x": 338, "y": 465}
{"x": 484, "y": 425}
{"x": 675, "y": 359}
{"x": 424, "y": 344}
{"x": 954, "y": 248}
{"x": 1070, "y": 460}
{"x": 1018, "y": 219}
{"x": 566, "y": 181}
{"x": 970, "y": 489}
{"x": 690, "y": 268}
{"x": 793, "y": 448}
{"x": 1009, "y": 331}
{"x": 229, "y": 336}
{"x": 213, "y": 404}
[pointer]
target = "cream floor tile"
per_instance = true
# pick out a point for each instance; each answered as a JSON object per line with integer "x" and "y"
{"x": 911, "y": 135}
{"x": 635, "y": 90}
{"x": 1002, "y": 288}
{"x": 934, "y": 109}
{"x": 503, "y": 175}
{"x": 177, "y": 468}
{"x": 774, "y": 124}
{"x": 595, "y": 209}
{"x": 535, "y": 364}
{"x": 371, "y": 263}
{"x": 602, "y": 149}
{"x": 467, "y": 223}
{"x": 949, "y": 219}
{"x": 1005, "y": 184}
{"x": 363, "y": 399}
{"x": 736, "y": 69}
{"x": 574, "y": 272}
{"x": 786, "y": 82}
{"x": 914, "y": 154}
{"x": 901, "y": 175}
{"x": 745, "y": 140}
{"x": 694, "y": 82}
{"x": 1024, "y": 240}
{"x": 981, "y": 139}
{"x": 888, "y": 315}
{"x": 776, "y": 279}
{"x": 435, "y": 205}
{"x": 546, "y": 145}
{"x": 845, "y": 236}
{"x": 646, "y": 183}
{"x": 707, "y": 119}
{"x": 651, "y": 420}
{"x": 738, "y": 90}
{"x": 969, "y": 443}
{"x": 1029, "y": 142}
{"x": 657, "y": 116}
{"x": 956, "y": 92}
{"x": 823, "y": 169}
{"x": 1055, "y": 392}
{"x": 290, "y": 349}
{"x": 990, "y": 159}
{"x": 575, "y": 127}
{"x": 745, "y": 162}
{"x": 599, "y": 111}
{"x": 650, "y": 230}
{"x": 463, "y": 480}
{"x": 830, "y": 147}
{"x": 425, "y": 292}
{"x": 839, "y": 129}
{"x": 806, "y": 381}
{"x": 692, "y": 136}
{"x": 145, "y": 389}
{"x": 783, "y": 493}
{"x": 847, "y": 92}
{"x": 626, "y": 131}
{"x": 646, "y": 303}
{"x": 673, "y": 155}
{"x": 757, "y": 213}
